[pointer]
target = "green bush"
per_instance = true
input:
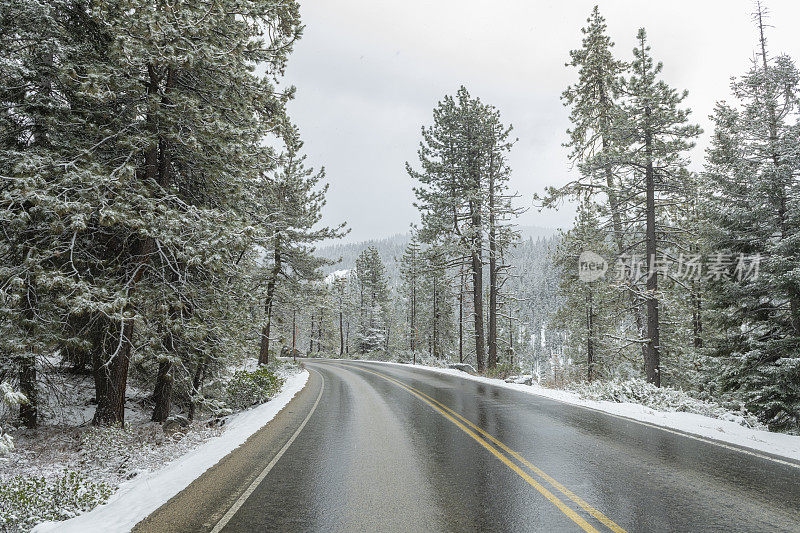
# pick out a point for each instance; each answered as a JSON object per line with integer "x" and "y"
{"x": 503, "y": 370}
{"x": 248, "y": 388}
{"x": 28, "y": 500}
{"x": 105, "y": 444}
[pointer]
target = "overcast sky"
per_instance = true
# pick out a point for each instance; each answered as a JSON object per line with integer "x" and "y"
{"x": 369, "y": 73}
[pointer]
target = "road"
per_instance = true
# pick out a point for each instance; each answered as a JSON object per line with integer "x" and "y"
{"x": 396, "y": 448}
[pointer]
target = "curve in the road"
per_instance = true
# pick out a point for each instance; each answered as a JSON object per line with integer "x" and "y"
{"x": 472, "y": 430}
{"x": 397, "y": 448}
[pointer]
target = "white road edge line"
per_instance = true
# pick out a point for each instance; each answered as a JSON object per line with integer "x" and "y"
{"x": 247, "y": 493}
{"x": 732, "y": 447}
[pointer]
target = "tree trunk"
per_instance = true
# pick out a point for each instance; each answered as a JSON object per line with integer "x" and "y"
{"x": 477, "y": 286}
{"x": 413, "y": 311}
{"x": 477, "y": 298}
{"x": 435, "y": 346}
{"x": 111, "y": 377}
{"x": 162, "y": 395}
{"x": 652, "y": 361}
{"x": 28, "y": 411}
{"x": 319, "y": 329}
{"x": 590, "y": 337}
{"x": 461, "y": 318}
{"x": 197, "y": 380}
{"x": 294, "y": 331}
{"x": 311, "y": 335}
{"x": 263, "y": 356}
{"x": 510, "y": 340}
{"x": 341, "y": 333}
{"x": 697, "y": 317}
{"x": 492, "y": 276}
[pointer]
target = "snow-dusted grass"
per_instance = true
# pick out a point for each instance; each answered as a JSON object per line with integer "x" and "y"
{"x": 66, "y": 467}
{"x": 28, "y": 500}
{"x": 137, "y": 498}
{"x": 94, "y": 460}
{"x": 729, "y": 428}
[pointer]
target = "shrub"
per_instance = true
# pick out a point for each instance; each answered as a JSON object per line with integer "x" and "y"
{"x": 28, "y": 500}
{"x": 8, "y": 398}
{"x": 248, "y": 388}
{"x": 503, "y": 370}
{"x": 659, "y": 398}
{"x": 105, "y": 444}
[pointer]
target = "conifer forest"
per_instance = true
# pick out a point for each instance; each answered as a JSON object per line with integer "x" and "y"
{"x": 174, "y": 254}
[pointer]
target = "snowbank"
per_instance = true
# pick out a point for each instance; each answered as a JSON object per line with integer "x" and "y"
{"x": 719, "y": 432}
{"x": 139, "y": 497}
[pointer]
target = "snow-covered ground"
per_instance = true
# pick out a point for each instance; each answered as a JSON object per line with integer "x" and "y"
{"x": 722, "y": 432}
{"x": 137, "y": 498}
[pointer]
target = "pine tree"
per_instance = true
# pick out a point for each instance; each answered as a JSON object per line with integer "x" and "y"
{"x": 595, "y": 138}
{"x": 373, "y": 291}
{"x": 462, "y": 197}
{"x": 499, "y": 212}
{"x": 657, "y": 137}
{"x": 411, "y": 269}
{"x": 596, "y": 117}
{"x": 293, "y": 201}
{"x": 141, "y": 176}
{"x": 590, "y": 307}
{"x": 753, "y": 201}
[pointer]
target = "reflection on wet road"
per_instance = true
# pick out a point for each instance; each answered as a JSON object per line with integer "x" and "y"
{"x": 394, "y": 448}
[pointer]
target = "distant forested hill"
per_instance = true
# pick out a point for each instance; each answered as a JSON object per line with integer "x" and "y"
{"x": 391, "y": 249}
{"x": 534, "y": 282}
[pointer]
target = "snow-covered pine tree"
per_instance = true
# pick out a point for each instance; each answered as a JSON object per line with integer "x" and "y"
{"x": 653, "y": 151}
{"x": 462, "y": 159}
{"x": 752, "y": 199}
{"x": 373, "y": 291}
{"x": 153, "y": 150}
{"x": 500, "y": 212}
{"x": 292, "y": 205}
{"x": 596, "y": 134}
{"x": 450, "y": 196}
{"x": 590, "y": 310}
{"x": 36, "y": 40}
{"x": 411, "y": 269}
{"x": 596, "y": 117}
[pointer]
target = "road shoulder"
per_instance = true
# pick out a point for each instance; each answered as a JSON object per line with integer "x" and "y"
{"x": 199, "y": 506}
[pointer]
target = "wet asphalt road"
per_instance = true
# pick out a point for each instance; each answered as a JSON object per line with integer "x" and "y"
{"x": 440, "y": 456}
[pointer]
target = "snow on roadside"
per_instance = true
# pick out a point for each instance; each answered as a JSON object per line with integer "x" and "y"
{"x": 139, "y": 497}
{"x": 726, "y": 431}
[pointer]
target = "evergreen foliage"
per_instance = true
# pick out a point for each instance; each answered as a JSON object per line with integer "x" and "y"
{"x": 752, "y": 206}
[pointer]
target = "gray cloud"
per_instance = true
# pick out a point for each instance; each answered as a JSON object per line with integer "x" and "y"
{"x": 369, "y": 73}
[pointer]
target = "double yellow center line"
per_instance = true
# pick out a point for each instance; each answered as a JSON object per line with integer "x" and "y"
{"x": 492, "y": 444}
